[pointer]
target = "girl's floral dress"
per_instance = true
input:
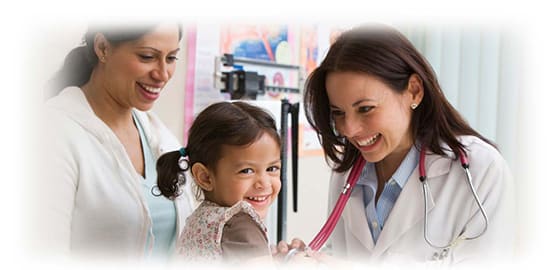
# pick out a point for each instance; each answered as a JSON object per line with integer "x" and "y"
{"x": 201, "y": 237}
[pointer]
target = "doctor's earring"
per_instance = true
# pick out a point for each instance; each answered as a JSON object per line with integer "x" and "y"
{"x": 413, "y": 106}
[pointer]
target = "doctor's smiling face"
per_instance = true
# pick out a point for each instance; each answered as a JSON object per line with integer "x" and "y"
{"x": 372, "y": 116}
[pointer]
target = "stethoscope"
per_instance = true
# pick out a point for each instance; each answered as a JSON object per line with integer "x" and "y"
{"x": 359, "y": 164}
{"x": 423, "y": 178}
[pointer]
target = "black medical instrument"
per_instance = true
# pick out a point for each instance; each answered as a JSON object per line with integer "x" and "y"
{"x": 242, "y": 84}
{"x": 286, "y": 109}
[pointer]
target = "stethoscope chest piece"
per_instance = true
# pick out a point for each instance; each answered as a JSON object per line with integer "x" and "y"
{"x": 441, "y": 255}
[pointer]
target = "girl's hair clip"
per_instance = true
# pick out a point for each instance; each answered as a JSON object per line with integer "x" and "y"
{"x": 183, "y": 162}
{"x": 183, "y": 151}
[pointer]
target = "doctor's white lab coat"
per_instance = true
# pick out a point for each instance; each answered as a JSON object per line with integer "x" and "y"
{"x": 451, "y": 210}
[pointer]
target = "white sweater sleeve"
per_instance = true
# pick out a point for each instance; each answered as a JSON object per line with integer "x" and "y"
{"x": 56, "y": 186}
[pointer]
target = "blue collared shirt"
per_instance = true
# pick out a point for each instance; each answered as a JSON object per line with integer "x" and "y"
{"x": 377, "y": 213}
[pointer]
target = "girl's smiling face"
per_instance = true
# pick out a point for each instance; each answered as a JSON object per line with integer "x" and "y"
{"x": 250, "y": 173}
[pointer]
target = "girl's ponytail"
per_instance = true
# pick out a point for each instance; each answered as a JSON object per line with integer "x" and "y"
{"x": 171, "y": 169}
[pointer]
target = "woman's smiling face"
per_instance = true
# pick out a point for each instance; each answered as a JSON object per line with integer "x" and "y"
{"x": 136, "y": 71}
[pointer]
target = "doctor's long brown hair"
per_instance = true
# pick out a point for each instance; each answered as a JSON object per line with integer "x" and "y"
{"x": 383, "y": 52}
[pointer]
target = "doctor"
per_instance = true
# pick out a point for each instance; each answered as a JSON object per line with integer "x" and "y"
{"x": 375, "y": 96}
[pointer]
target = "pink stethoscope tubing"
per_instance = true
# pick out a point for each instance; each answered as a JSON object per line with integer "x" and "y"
{"x": 331, "y": 222}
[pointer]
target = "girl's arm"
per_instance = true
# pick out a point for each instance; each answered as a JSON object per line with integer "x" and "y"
{"x": 243, "y": 239}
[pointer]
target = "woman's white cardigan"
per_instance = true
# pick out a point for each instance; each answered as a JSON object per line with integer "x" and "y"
{"x": 91, "y": 199}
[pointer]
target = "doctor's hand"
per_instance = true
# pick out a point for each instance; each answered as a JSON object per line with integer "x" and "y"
{"x": 280, "y": 251}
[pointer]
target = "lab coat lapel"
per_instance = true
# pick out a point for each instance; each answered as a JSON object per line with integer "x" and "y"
{"x": 355, "y": 219}
{"x": 408, "y": 209}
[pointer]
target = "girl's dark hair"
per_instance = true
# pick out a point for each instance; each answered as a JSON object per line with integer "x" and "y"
{"x": 385, "y": 53}
{"x": 222, "y": 123}
{"x": 80, "y": 61}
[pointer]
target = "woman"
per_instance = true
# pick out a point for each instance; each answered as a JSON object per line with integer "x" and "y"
{"x": 103, "y": 146}
{"x": 374, "y": 96}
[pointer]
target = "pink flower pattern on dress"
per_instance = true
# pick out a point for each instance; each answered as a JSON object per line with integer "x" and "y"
{"x": 201, "y": 237}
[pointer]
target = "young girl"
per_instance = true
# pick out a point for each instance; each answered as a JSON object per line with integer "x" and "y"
{"x": 233, "y": 154}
